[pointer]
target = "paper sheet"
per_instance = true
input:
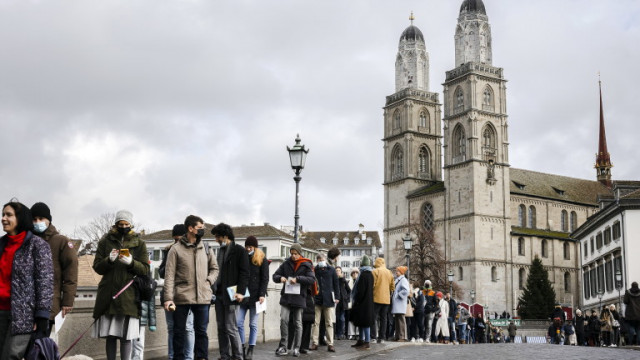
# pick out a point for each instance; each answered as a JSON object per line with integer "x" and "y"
{"x": 59, "y": 321}
{"x": 261, "y": 307}
{"x": 292, "y": 288}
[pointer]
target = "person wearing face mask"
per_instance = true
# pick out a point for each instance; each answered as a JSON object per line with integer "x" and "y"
{"x": 190, "y": 272}
{"x": 121, "y": 255}
{"x": 231, "y": 289}
{"x": 258, "y": 281}
{"x": 65, "y": 261}
{"x": 325, "y": 300}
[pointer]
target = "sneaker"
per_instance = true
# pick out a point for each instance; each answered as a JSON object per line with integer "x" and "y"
{"x": 282, "y": 351}
{"x": 413, "y": 340}
{"x": 380, "y": 341}
{"x": 296, "y": 352}
{"x": 420, "y": 340}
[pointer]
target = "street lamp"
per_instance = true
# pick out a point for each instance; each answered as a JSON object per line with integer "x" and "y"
{"x": 407, "y": 241}
{"x": 473, "y": 299}
{"x": 450, "y": 278}
{"x": 600, "y": 294}
{"x": 619, "y": 287}
{"x": 297, "y": 156}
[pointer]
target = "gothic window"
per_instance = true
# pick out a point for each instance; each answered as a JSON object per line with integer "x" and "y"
{"x": 567, "y": 282}
{"x": 532, "y": 217}
{"x": 424, "y": 120}
{"x": 459, "y": 98}
{"x": 396, "y": 120}
{"x": 489, "y": 142}
{"x": 397, "y": 166}
{"x": 566, "y": 251}
{"x": 460, "y": 273}
{"x": 487, "y": 97}
{"x": 521, "y": 215}
{"x": 494, "y": 274}
{"x": 521, "y": 279}
{"x": 427, "y": 216}
{"x": 564, "y": 221}
{"x": 424, "y": 162}
{"x": 459, "y": 144}
{"x": 574, "y": 221}
{"x": 543, "y": 248}
{"x": 521, "y": 246}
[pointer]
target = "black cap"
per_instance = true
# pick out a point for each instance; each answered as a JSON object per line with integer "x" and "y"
{"x": 41, "y": 209}
{"x": 178, "y": 230}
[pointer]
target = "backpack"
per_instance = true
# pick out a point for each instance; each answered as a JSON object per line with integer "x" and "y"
{"x": 145, "y": 287}
{"x": 43, "y": 349}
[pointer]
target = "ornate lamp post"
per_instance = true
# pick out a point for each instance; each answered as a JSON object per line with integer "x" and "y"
{"x": 407, "y": 241}
{"x": 297, "y": 156}
{"x": 619, "y": 287}
{"x": 450, "y": 278}
{"x": 600, "y": 294}
{"x": 473, "y": 299}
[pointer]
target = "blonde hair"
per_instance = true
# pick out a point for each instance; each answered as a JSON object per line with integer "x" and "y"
{"x": 258, "y": 257}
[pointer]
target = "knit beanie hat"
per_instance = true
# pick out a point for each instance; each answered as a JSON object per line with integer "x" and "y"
{"x": 401, "y": 270}
{"x": 365, "y": 261}
{"x": 297, "y": 247}
{"x": 178, "y": 230}
{"x": 124, "y": 215}
{"x": 427, "y": 283}
{"x": 41, "y": 209}
{"x": 251, "y": 241}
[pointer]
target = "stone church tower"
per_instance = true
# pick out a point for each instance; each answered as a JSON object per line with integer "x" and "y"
{"x": 477, "y": 225}
{"x": 412, "y": 134}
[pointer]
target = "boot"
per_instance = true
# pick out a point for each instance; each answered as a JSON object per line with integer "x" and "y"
{"x": 249, "y": 354}
{"x": 357, "y": 344}
{"x": 364, "y": 346}
{"x": 244, "y": 351}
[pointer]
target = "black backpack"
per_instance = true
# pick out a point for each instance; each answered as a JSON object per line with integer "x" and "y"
{"x": 145, "y": 288}
{"x": 43, "y": 349}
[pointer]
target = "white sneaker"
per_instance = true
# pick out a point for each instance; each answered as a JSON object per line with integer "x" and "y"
{"x": 413, "y": 340}
{"x": 420, "y": 340}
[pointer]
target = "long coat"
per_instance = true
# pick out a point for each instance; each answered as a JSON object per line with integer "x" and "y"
{"x": 328, "y": 287}
{"x": 362, "y": 309}
{"x": 304, "y": 276}
{"x": 234, "y": 271}
{"x": 442, "y": 325}
{"x": 115, "y": 275}
{"x": 400, "y": 294}
{"x": 65, "y": 269}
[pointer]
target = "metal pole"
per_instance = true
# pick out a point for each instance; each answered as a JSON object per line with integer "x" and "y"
{"x": 297, "y": 179}
{"x": 408, "y": 265}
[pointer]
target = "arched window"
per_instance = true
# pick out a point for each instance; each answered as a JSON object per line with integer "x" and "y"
{"x": 522, "y": 216}
{"x": 459, "y": 144}
{"x": 427, "y": 216}
{"x": 424, "y": 162}
{"x": 566, "y": 251}
{"x": 521, "y": 246}
{"x": 532, "y": 217}
{"x": 424, "y": 120}
{"x": 460, "y": 273}
{"x": 543, "y": 248}
{"x": 521, "y": 279}
{"x": 489, "y": 143}
{"x": 397, "y": 163}
{"x": 494, "y": 274}
{"x": 487, "y": 97}
{"x": 574, "y": 221}
{"x": 396, "y": 120}
{"x": 564, "y": 220}
{"x": 567, "y": 282}
{"x": 459, "y": 97}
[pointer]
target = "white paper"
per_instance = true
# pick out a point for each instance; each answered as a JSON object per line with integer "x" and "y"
{"x": 59, "y": 320}
{"x": 261, "y": 307}
{"x": 292, "y": 288}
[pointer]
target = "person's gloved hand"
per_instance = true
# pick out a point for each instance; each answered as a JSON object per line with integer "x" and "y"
{"x": 126, "y": 259}
{"x": 42, "y": 328}
{"x": 152, "y": 328}
{"x": 113, "y": 255}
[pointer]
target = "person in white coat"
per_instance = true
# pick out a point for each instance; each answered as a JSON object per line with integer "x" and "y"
{"x": 442, "y": 325}
{"x": 399, "y": 303}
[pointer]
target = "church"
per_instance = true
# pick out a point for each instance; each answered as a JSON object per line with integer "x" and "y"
{"x": 446, "y": 168}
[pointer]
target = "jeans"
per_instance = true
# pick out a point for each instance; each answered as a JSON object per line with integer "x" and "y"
{"x": 417, "y": 325}
{"x": 189, "y": 335}
{"x": 380, "y": 321}
{"x": 428, "y": 321}
{"x": 462, "y": 332}
{"x": 452, "y": 328}
{"x": 633, "y": 330}
{"x": 228, "y": 336}
{"x": 285, "y": 312}
{"x": 365, "y": 334}
{"x": 340, "y": 321}
{"x": 328, "y": 324}
{"x": 253, "y": 323}
{"x": 200, "y": 323}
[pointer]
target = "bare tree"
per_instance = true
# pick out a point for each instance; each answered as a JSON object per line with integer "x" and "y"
{"x": 91, "y": 233}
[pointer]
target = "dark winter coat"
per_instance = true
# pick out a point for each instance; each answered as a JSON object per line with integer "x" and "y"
{"x": 65, "y": 269}
{"x": 632, "y": 300}
{"x": 430, "y": 302}
{"x": 593, "y": 325}
{"x": 362, "y": 310}
{"x": 115, "y": 275}
{"x": 31, "y": 283}
{"x": 578, "y": 324}
{"x": 559, "y": 313}
{"x": 258, "y": 281}
{"x": 309, "y": 312}
{"x": 419, "y": 299}
{"x": 344, "y": 293}
{"x": 234, "y": 271}
{"x": 304, "y": 276}
{"x": 328, "y": 287}
{"x": 453, "y": 308}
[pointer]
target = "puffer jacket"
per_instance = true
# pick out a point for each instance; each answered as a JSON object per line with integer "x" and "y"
{"x": 190, "y": 273}
{"x": 31, "y": 283}
{"x": 65, "y": 269}
{"x": 115, "y": 275}
{"x": 304, "y": 276}
{"x": 383, "y": 284}
{"x": 148, "y": 310}
{"x": 632, "y": 300}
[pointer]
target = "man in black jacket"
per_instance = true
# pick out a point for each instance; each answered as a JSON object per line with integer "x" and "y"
{"x": 231, "y": 288}
{"x": 326, "y": 301}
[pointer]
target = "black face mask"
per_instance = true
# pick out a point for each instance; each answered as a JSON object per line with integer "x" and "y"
{"x": 124, "y": 230}
{"x": 200, "y": 233}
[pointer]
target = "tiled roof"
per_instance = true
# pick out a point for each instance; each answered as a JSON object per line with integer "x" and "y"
{"x": 633, "y": 195}
{"x": 556, "y": 187}
{"x": 433, "y": 187}
{"x": 312, "y": 239}
{"x": 86, "y": 275}
{"x": 240, "y": 232}
{"x": 539, "y": 233}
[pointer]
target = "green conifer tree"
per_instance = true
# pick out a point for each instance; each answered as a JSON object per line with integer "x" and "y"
{"x": 538, "y": 299}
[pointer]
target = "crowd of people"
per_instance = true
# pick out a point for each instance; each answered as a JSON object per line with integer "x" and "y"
{"x": 319, "y": 304}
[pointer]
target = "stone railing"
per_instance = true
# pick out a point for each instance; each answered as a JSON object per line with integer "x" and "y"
{"x": 473, "y": 66}
{"x": 409, "y": 92}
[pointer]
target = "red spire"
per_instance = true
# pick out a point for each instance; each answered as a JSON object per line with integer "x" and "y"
{"x": 603, "y": 160}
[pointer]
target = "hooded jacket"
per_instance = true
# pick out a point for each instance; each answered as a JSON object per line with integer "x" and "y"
{"x": 383, "y": 284}
{"x": 304, "y": 276}
{"x": 632, "y": 300}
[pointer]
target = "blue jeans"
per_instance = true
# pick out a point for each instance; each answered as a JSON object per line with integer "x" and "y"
{"x": 340, "y": 321}
{"x": 452, "y": 329}
{"x": 253, "y": 323}
{"x": 365, "y": 334}
{"x": 462, "y": 332}
{"x": 189, "y": 335}
{"x": 200, "y": 323}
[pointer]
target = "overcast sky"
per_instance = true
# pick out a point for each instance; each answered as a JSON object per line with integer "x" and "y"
{"x": 170, "y": 108}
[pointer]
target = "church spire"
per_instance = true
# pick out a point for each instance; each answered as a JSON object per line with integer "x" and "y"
{"x": 603, "y": 160}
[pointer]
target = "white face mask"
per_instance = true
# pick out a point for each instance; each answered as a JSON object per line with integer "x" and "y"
{"x": 39, "y": 227}
{"x": 322, "y": 263}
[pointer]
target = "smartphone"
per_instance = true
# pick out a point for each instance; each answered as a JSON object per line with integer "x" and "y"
{"x": 124, "y": 252}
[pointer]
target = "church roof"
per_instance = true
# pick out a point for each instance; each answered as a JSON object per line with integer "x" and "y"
{"x": 412, "y": 33}
{"x": 312, "y": 239}
{"x": 542, "y": 233}
{"x": 556, "y": 187}
{"x": 473, "y": 6}
{"x": 433, "y": 187}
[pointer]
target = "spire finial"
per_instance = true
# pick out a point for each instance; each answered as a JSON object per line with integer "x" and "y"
{"x": 411, "y": 17}
{"x": 603, "y": 159}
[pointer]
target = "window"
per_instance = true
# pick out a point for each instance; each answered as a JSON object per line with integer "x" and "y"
{"x": 459, "y": 144}
{"x": 284, "y": 251}
{"x": 567, "y": 282}
{"x": 598, "y": 241}
{"x": 566, "y": 251}
{"x": 459, "y": 98}
{"x": 532, "y": 217}
{"x": 607, "y": 236}
{"x": 592, "y": 247}
{"x": 543, "y": 248}
{"x": 427, "y": 217}
{"x": 345, "y": 240}
{"x": 521, "y": 215}
{"x": 574, "y": 221}
{"x": 156, "y": 254}
{"x": 487, "y": 99}
{"x": 608, "y": 269}
{"x": 345, "y": 252}
{"x": 460, "y": 273}
{"x": 397, "y": 166}
{"x": 357, "y": 252}
{"x": 521, "y": 279}
{"x": 335, "y": 241}
{"x": 396, "y": 120}
{"x": 424, "y": 120}
{"x": 424, "y": 162}
{"x": 356, "y": 240}
{"x": 600, "y": 277}
{"x": 617, "y": 262}
{"x": 345, "y": 265}
{"x": 323, "y": 240}
{"x": 369, "y": 240}
{"x": 616, "y": 230}
{"x": 356, "y": 263}
{"x": 585, "y": 281}
{"x": 494, "y": 274}
{"x": 488, "y": 142}
{"x": 586, "y": 249}
{"x": 564, "y": 221}
{"x": 521, "y": 246}
{"x": 594, "y": 282}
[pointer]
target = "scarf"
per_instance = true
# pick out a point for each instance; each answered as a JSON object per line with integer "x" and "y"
{"x": 354, "y": 291}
